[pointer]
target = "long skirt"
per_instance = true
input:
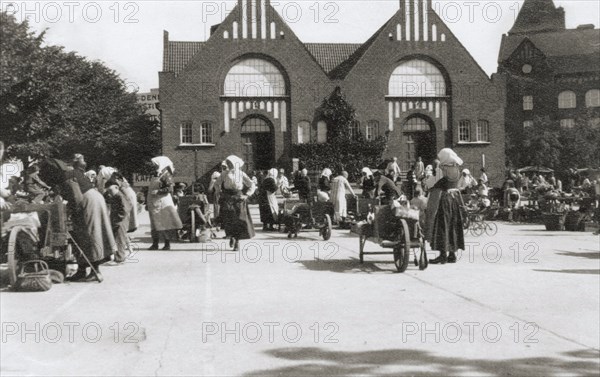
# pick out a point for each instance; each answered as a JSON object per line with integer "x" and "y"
{"x": 120, "y": 233}
{"x": 340, "y": 206}
{"x": 445, "y": 223}
{"x": 235, "y": 216}
{"x": 163, "y": 215}
{"x": 133, "y": 216}
{"x": 92, "y": 228}
{"x": 268, "y": 207}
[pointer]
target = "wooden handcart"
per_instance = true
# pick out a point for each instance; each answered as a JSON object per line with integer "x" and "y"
{"x": 401, "y": 235}
{"x": 296, "y": 215}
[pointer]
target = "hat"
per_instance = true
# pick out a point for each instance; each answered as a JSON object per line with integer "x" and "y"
{"x": 111, "y": 182}
{"x": 448, "y": 157}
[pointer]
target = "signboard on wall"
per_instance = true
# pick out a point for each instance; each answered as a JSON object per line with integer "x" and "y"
{"x": 141, "y": 180}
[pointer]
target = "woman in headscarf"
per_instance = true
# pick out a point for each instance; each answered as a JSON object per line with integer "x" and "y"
{"x": 466, "y": 181}
{"x": 236, "y": 187}
{"x": 214, "y": 191}
{"x": 339, "y": 185}
{"x": 367, "y": 183}
{"x": 91, "y": 225}
{"x": 104, "y": 175}
{"x": 163, "y": 215}
{"x": 324, "y": 186}
{"x": 444, "y": 229}
{"x": 267, "y": 201}
{"x": 130, "y": 195}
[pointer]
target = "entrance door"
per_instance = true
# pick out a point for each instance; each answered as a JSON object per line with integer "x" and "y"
{"x": 418, "y": 141}
{"x": 258, "y": 144}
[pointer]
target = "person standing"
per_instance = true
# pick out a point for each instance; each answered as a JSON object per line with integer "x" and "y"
{"x": 444, "y": 229}
{"x": 302, "y": 185}
{"x": 324, "y": 187}
{"x": 367, "y": 183}
{"x": 411, "y": 182}
{"x": 393, "y": 170}
{"x": 484, "y": 177}
{"x": 119, "y": 209}
{"x": 236, "y": 186}
{"x": 284, "y": 184}
{"x": 131, "y": 196}
{"x": 214, "y": 190}
{"x": 92, "y": 229}
{"x": 419, "y": 169}
{"x": 164, "y": 219}
{"x": 339, "y": 185}
{"x": 267, "y": 201}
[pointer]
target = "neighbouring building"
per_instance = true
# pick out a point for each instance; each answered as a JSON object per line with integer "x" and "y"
{"x": 150, "y": 102}
{"x": 253, "y": 89}
{"x": 552, "y": 72}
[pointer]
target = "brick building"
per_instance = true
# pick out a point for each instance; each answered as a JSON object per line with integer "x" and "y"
{"x": 253, "y": 89}
{"x": 551, "y": 71}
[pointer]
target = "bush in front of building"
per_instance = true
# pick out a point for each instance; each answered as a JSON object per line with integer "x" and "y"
{"x": 345, "y": 149}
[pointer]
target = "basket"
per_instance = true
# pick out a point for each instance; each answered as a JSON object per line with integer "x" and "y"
{"x": 554, "y": 221}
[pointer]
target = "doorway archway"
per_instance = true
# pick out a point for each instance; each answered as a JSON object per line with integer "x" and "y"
{"x": 258, "y": 143}
{"x": 418, "y": 140}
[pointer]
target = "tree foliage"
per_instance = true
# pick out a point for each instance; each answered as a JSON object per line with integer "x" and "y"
{"x": 55, "y": 103}
{"x": 341, "y": 152}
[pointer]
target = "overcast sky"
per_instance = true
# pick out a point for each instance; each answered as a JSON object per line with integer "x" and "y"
{"x": 127, "y": 35}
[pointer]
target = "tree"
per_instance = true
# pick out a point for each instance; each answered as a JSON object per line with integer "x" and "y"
{"x": 55, "y": 103}
{"x": 341, "y": 152}
{"x": 541, "y": 145}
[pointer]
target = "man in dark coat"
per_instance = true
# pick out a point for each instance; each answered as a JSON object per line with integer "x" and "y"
{"x": 387, "y": 187}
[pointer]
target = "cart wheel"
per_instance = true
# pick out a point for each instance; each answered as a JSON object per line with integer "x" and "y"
{"x": 327, "y": 228}
{"x": 402, "y": 251}
{"x": 423, "y": 261}
{"x": 11, "y": 260}
{"x": 491, "y": 229}
{"x": 361, "y": 247}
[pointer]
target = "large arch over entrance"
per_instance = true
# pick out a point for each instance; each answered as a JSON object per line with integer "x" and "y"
{"x": 419, "y": 140}
{"x": 258, "y": 143}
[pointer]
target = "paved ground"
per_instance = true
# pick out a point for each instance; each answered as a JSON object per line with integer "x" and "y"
{"x": 524, "y": 302}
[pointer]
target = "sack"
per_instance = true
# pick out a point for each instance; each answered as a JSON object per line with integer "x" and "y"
{"x": 37, "y": 281}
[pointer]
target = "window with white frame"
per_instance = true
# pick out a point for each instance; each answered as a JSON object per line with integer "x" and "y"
{"x": 206, "y": 133}
{"x": 567, "y": 123}
{"x": 527, "y": 124}
{"x": 417, "y": 78}
{"x": 186, "y": 133}
{"x": 483, "y": 131}
{"x": 527, "y": 102}
{"x": 464, "y": 131}
{"x": 303, "y": 132}
{"x": 592, "y": 98}
{"x": 321, "y": 132}
{"x": 372, "y": 130}
{"x": 354, "y": 129}
{"x": 254, "y": 78}
{"x": 567, "y": 100}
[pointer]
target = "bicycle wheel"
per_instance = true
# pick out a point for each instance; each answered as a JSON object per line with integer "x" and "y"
{"x": 491, "y": 229}
{"x": 477, "y": 229}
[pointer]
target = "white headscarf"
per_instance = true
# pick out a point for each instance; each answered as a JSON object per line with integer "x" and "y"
{"x": 162, "y": 163}
{"x": 368, "y": 171}
{"x": 326, "y": 173}
{"x": 273, "y": 173}
{"x": 448, "y": 157}
{"x": 237, "y": 162}
{"x": 466, "y": 171}
{"x": 104, "y": 175}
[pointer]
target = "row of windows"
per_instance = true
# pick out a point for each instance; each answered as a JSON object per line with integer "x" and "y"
{"x": 203, "y": 134}
{"x": 568, "y": 100}
{"x": 567, "y": 123}
{"x": 478, "y": 133}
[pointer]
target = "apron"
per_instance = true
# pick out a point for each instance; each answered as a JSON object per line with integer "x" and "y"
{"x": 163, "y": 215}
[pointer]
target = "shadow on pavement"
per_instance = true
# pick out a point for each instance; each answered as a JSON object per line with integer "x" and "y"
{"x": 320, "y": 362}
{"x": 592, "y": 255}
{"x": 352, "y": 266}
{"x": 585, "y": 272}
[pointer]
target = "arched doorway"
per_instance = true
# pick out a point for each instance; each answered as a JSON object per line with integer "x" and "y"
{"x": 418, "y": 139}
{"x": 258, "y": 144}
